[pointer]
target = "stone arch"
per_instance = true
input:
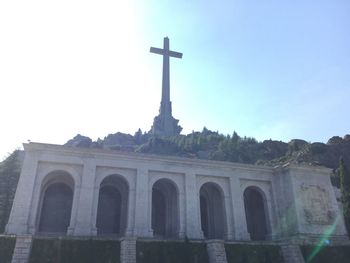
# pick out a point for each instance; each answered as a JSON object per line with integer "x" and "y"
{"x": 212, "y": 211}
{"x": 165, "y": 208}
{"x": 112, "y": 208}
{"x": 56, "y": 202}
{"x": 256, "y": 212}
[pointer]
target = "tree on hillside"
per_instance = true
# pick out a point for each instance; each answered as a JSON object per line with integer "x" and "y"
{"x": 10, "y": 169}
{"x": 345, "y": 192}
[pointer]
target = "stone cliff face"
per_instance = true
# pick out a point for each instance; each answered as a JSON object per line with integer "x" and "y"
{"x": 327, "y": 155}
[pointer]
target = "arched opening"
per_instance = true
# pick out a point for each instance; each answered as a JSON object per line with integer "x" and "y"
{"x": 204, "y": 215}
{"x": 112, "y": 206}
{"x": 212, "y": 211}
{"x": 255, "y": 212}
{"x": 165, "y": 211}
{"x": 56, "y": 203}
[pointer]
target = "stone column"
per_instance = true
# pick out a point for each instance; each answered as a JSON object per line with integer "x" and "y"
{"x": 21, "y": 208}
{"x": 83, "y": 226}
{"x": 229, "y": 230}
{"x": 240, "y": 226}
{"x": 182, "y": 214}
{"x": 142, "y": 205}
{"x": 193, "y": 219}
{"x": 130, "y": 226}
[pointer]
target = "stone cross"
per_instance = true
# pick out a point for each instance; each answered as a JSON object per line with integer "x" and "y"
{"x": 166, "y": 74}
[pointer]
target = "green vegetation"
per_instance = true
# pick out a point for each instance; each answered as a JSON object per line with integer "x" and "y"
{"x": 171, "y": 252}
{"x": 7, "y": 245}
{"x": 238, "y": 253}
{"x": 74, "y": 251}
{"x": 345, "y": 192}
{"x": 10, "y": 170}
{"x": 326, "y": 254}
{"x": 215, "y": 146}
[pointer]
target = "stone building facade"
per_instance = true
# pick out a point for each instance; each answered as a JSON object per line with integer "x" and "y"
{"x": 93, "y": 192}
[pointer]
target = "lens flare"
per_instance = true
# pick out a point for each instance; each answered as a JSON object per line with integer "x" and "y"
{"x": 324, "y": 241}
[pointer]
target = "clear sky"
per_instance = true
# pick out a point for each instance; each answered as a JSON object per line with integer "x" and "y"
{"x": 267, "y": 69}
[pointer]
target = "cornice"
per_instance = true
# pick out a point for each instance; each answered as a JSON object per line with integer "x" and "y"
{"x": 303, "y": 168}
{"x": 132, "y": 156}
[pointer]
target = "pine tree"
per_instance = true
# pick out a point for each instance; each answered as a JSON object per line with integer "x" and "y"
{"x": 345, "y": 192}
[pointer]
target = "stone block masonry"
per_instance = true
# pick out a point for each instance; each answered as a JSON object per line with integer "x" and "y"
{"x": 22, "y": 249}
{"x": 216, "y": 251}
{"x": 128, "y": 250}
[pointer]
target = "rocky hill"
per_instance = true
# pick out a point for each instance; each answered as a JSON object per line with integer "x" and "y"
{"x": 232, "y": 148}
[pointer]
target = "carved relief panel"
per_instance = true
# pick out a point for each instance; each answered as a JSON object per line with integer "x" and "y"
{"x": 316, "y": 204}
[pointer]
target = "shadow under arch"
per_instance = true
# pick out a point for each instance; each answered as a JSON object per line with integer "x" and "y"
{"x": 56, "y": 203}
{"x": 256, "y": 212}
{"x": 112, "y": 206}
{"x": 212, "y": 210}
{"x": 165, "y": 208}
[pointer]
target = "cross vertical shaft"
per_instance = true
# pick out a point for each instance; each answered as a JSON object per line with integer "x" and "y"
{"x": 164, "y": 123}
{"x": 167, "y": 53}
{"x": 166, "y": 72}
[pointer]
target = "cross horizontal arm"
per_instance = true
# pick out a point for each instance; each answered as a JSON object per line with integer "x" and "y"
{"x": 175, "y": 54}
{"x": 157, "y": 50}
{"x": 161, "y": 52}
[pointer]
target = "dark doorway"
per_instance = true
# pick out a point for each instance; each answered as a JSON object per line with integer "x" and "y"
{"x": 56, "y": 209}
{"x": 212, "y": 211}
{"x": 165, "y": 215}
{"x": 112, "y": 206}
{"x": 158, "y": 213}
{"x": 204, "y": 215}
{"x": 255, "y": 214}
{"x": 109, "y": 211}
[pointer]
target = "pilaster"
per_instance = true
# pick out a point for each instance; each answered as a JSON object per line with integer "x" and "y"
{"x": 193, "y": 222}
{"x": 21, "y": 209}
{"x": 84, "y": 224}
{"x": 240, "y": 222}
{"x": 142, "y": 226}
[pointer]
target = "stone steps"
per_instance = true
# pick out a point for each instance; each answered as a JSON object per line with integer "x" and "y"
{"x": 128, "y": 250}
{"x": 292, "y": 254}
{"x": 216, "y": 251}
{"x": 22, "y": 249}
